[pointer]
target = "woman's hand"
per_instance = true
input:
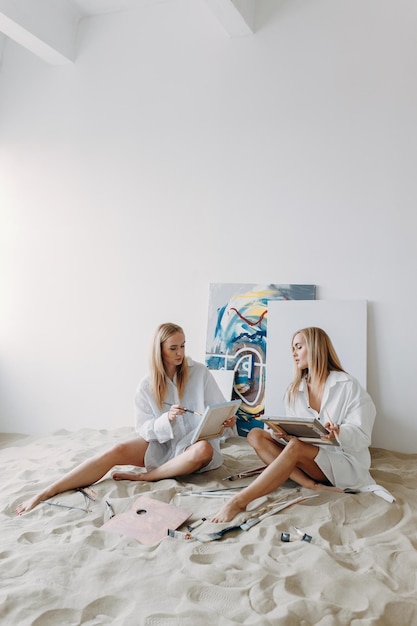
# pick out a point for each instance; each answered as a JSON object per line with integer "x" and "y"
{"x": 333, "y": 431}
{"x": 229, "y": 423}
{"x": 174, "y": 411}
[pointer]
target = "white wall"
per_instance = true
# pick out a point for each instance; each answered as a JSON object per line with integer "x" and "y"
{"x": 170, "y": 156}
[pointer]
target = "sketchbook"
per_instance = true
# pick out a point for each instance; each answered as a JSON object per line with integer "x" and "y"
{"x": 307, "y": 429}
{"x": 211, "y": 422}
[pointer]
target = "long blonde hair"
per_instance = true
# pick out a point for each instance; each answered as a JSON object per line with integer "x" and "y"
{"x": 321, "y": 359}
{"x": 157, "y": 370}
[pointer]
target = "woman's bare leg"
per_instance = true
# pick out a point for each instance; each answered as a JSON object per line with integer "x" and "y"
{"x": 268, "y": 448}
{"x": 191, "y": 460}
{"x": 90, "y": 471}
{"x": 295, "y": 454}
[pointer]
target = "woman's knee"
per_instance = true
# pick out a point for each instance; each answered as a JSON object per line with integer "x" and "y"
{"x": 120, "y": 449}
{"x": 123, "y": 452}
{"x": 255, "y": 436}
{"x": 294, "y": 448}
{"x": 202, "y": 451}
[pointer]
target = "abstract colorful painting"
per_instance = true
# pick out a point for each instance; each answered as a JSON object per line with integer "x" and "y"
{"x": 237, "y": 339}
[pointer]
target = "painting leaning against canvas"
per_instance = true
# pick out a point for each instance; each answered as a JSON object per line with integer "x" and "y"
{"x": 237, "y": 339}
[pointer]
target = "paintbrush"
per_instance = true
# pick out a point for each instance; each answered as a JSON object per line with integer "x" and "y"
{"x": 246, "y": 474}
{"x": 184, "y": 409}
{"x": 253, "y": 520}
{"x": 212, "y": 493}
{"x": 217, "y": 535}
{"x": 109, "y": 508}
{"x": 336, "y": 436}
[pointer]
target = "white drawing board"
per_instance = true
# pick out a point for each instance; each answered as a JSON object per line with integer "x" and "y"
{"x": 211, "y": 423}
{"x": 345, "y": 321}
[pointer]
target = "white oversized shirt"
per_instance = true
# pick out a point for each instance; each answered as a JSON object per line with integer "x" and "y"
{"x": 350, "y": 407}
{"x": 169, "y": 439}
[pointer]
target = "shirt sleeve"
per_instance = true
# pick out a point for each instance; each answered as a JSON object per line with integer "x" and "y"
{"x": 149, "y": 422}
{"x": 356, "y": 418}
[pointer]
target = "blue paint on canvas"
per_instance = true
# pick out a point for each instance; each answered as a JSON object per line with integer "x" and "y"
{"x": 237, "y": 339}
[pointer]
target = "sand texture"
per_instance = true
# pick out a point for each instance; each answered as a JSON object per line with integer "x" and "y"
{"x": 60, "y": 567}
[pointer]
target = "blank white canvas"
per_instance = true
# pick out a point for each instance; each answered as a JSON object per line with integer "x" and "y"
{"x": 345, "y": 321}
{"x": 224, "y": 380}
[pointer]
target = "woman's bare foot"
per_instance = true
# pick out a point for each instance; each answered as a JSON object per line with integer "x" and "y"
{"x": 228, "y": 511}
{"x": 27, "y": 505}
{"x": 321, "y": 487}
{"x": 130, "y": 476}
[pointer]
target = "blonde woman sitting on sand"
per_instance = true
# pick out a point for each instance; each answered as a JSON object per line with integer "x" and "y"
{"x": 320, "y": 389}
{"x": 164, "y": 426}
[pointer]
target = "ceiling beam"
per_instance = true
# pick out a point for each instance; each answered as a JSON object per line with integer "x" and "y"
{"x": 49, "y": 31}
{"x": 236, "y": 16}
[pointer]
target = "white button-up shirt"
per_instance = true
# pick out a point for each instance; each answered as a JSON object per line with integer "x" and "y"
{"x": 351, "y": 408}
{"x": 169, "y": 439}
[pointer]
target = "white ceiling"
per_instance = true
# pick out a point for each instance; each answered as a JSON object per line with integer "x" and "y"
{"x": 99, "y": 7}
{"x": 48, "y": 28}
